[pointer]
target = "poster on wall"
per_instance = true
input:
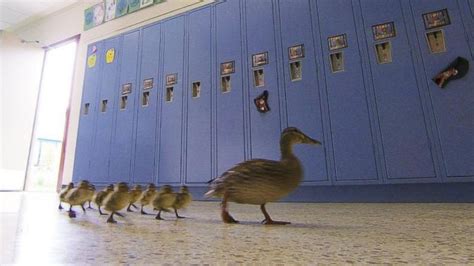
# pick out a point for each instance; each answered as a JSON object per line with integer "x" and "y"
{"x": 110, "y": 8}
{"x": 122, "y": 8}
{"x": 133, "y": 5}
{"x": 145, "y": 3}
{"x": 94, "y": 16}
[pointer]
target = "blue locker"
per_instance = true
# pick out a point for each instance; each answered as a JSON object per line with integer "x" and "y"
{"x": 405, "y": 142}
{"x": 353, "y": 146}
{"x": 229, "y": 107}
{"x": 88, "y": 114}
{"x": 126, "y": 97}
{"x": 148, "y": 103}
{"x": 301, "y": 84}
{"x": 452, "y": 106}
{"x": 169, "y": 167}
{"x": 265, "y": 128}
{"x": 106, "y": 100}
{"x": 198, "y": 97}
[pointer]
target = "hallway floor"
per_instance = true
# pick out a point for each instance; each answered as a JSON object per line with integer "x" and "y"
{"x": 34, "y": 231}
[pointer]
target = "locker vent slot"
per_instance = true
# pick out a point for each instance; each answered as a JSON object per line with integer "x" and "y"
{"x": 383, "y": 52}
{"x": 259, "y": 78}
{"x": 295, "y": 71}
{"x": 225, "y": 84}
{"x": 146, "y": 98}
{"x": 196, "y": 89}
{"x": 86, "y": 109}
{"x": 169, "y": 94}
{"x": 103, "y": 107}
{"x": 436, "y": 41}
{"x": 123, "y": 102}
{"x": 337, "y": 62}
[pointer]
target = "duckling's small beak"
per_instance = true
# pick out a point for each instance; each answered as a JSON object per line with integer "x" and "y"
{"x": 309, "y": 140}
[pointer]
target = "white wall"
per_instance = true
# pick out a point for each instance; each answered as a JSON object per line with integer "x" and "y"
{"x": 68, "y": 22}
{"x": 20, "y": 70}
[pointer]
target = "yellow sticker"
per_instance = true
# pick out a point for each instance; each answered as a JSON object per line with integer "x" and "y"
{"x": 109, "y": 56}
{"x": 91, "y": 60}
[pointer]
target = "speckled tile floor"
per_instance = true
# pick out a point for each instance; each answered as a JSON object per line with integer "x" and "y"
{"x": 34, "y": 231}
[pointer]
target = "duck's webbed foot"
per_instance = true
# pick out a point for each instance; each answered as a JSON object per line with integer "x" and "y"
{"x": 129, "y": 209}
{"x": 142, "y": 211}
{"x": 71, "y": 213}
{"x": 177, "y": 215}
{"x": 102, "y": 213}
{"x": 226, "y": 217}
{"x": 60, "y": 206}
{"x": 268, "y": 220}
{"x": 111, "y": 219}
{"x": 158, "y": 215}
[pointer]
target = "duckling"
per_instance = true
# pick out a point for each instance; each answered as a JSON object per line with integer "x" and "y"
{"x": 183, "y": 198}
{"x": 117, "y": 200}
{"x": 99, "y": 197}
{"x": 135, "y": 194}
{"x": 147, "y": 196}
{"x": 260, "y": 181}
{"x": 63, "y": 193}
{"x": 78, "y": 196}
{"x": 164, "y": 200}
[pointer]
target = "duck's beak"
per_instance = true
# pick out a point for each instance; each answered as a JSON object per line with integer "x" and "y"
{"x": 309, "y": 140}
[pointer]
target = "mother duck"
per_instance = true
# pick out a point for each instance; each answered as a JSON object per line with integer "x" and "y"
{"x": 259, "y": 181}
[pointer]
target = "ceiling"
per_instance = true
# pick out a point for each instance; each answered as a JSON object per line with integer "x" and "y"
{"x": 15, "y": 12}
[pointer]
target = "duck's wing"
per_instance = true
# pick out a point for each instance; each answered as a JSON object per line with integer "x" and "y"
{"x": 248, "y": 172}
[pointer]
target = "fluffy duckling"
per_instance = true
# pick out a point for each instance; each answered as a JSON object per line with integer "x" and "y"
{"x": 63, "y": 193}
{"x": 164, "y": 200}
{"x": 99, "y": 197}
{"x": 260, "y": 181}
{"x": 78, "y": 196}
{"x": 147, "y": 196}
{"x": 183, "y": 198}
{"x": 117, "y": 200}
{"x": 135, "y": 194}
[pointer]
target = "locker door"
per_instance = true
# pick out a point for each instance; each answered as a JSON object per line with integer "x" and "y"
{"x": 265, "y": 128}
{"x": 406, "y": 146}
{"x": 198, "y": 163}
{"x": 106, "y": 101}
{"x": 350, "y": 124}
{"x": 453, "y": 108}
{"x": 126, "y": 97}
{"x": 169, "y": 168}
{"x": 147, "y": 87}
{"x": 88, "y": 113}
{"x": 301, "y": 84}
{"x": 230, "y": 95}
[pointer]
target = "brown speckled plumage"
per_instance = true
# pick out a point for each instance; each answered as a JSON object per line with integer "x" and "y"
{"x": 78, "y": 196}
{"x": 164, "y": 200}
{"x": 100, "y": 196}
{"x": 135, "y": 194}
{"x": 182, "y": 200}
{"x": 117, "y": 200}
{"x": 147, "y": 196}
{"x": 63, "y": 193}
{"x": 259, "y": 181}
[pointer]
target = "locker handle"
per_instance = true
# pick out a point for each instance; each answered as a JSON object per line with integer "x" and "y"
{"x": 261, "y": 102}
